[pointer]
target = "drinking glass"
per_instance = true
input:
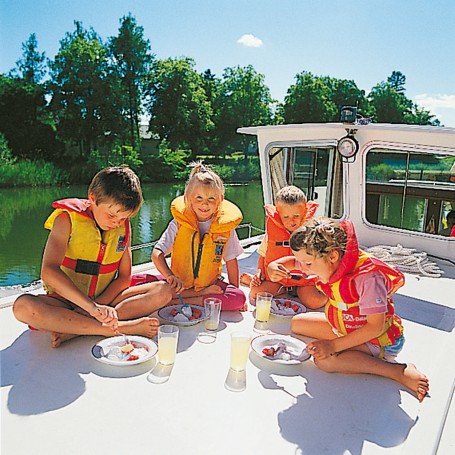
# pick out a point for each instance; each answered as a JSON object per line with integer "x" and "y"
{"x": 167, "y": 343}
{"x": 212, "y": 308}
{"x": 240, "y": 347}
{"x": 263, "y": 305}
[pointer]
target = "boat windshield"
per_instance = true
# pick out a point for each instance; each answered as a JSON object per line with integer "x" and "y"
{"x": 317, "y": 170}
{"x": 410, "y": 190}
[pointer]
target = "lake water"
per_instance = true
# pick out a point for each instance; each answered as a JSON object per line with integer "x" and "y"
{"x": 24, "y": 210}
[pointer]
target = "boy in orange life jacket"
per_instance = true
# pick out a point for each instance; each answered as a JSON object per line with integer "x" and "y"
{"x": 86, "y": 267}
{"x": 360, "y": 332}
{"x": 291, "y": 210}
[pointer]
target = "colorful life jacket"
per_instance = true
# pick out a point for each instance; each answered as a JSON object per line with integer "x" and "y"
{"x": 92, "y": 256}
{"x": 342, "y": 309}
{"x": 196, "y": 260}
{"x": 278, "y": 242}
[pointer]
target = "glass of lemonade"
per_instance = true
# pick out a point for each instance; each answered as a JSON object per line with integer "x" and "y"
{"x": 240, "y": 347}
{"x": 212, "y": 307}
{"x": 167, "y": 343}
{"x": 263, "y": 305}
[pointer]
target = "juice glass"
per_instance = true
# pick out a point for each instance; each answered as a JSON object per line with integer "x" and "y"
{"x": 240, "y": 347}
{"x": 212, "y": 307}
{"x": 167, "y": 343}
{"x": 263, "y": 305}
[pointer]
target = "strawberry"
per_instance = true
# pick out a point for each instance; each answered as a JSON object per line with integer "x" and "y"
{"x": 269, "y": 351}
{"x": 133, "y": 357}
{"x": 196, "y": 313}
{"x": 174, "y": 312}
{"x": 295, "y": 307}
{"x": 288, "y": 304}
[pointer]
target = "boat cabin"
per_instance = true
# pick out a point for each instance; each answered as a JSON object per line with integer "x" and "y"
{"x": 391, "y": 180}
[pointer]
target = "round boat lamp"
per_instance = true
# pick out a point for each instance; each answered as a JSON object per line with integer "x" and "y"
{"x": 348, "y": 147}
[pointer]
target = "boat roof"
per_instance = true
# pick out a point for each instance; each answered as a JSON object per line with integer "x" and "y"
{"x": 64, "y": 401}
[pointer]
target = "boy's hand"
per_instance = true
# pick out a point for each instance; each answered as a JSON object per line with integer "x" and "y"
{"x": 106, "y": 315}
{"x": 257, "y": 279}
{"x": 175, "y": 283}
{"x": 277, "y": 271}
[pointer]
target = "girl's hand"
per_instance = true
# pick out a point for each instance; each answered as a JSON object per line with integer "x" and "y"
{"x": 321, "y": 349}
{"x": 277, "y": 271}
{"x": 106, "y": 315}
{"x": 175, "y": 283}
{"x": 257, "y": 279}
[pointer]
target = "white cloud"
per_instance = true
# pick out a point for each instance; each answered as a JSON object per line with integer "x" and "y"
{"x": 250, "y": 41}
{"x": 438, "y": 101}
{"x": 443, "y": 106}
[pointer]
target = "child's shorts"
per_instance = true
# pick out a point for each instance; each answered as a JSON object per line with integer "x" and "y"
{"x": 387, "y": 352}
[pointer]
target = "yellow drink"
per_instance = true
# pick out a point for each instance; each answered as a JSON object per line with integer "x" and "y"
{"x": 211, "y": 324}
{"x": 263, "y": 310}
{"x": 167, "y": 348}
{"x": 240, "y": 347}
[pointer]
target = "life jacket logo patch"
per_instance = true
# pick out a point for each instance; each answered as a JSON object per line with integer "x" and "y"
{"x": 220, "y": 243}
{"x": 121, "y": 245}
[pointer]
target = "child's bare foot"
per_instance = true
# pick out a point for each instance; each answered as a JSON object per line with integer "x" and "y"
{"x": 145, "y": 326}
{"x": 58, "y": 338}
{"x": 245, "y": 279}
{"x": 213, "y": 289}
{"x": 416, "y": 381}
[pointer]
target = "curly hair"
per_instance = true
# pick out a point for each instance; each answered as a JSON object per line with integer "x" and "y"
{"x": 319, "y": 237}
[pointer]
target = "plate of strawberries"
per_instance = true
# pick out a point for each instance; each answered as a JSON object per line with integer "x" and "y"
{"x": 286, "y": 308}
{"x": 178, "y": 315}
{"x": 283, "y": 349}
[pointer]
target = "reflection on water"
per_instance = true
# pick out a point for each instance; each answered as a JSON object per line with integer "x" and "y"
{"x": 24, "y": 210}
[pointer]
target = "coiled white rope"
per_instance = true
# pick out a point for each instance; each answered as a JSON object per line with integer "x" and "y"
{"x": 406, "y": 260}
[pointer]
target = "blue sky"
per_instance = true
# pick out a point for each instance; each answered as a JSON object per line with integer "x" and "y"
{"x": 362, "y": 40}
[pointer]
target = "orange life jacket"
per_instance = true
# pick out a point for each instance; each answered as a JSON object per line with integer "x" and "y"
{"x": 278, "y": 242}
{"x": 342, "y": 309}
{"x": 92, "y": 256}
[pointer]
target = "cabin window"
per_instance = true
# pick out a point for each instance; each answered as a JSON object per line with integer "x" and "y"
{"x": 316, "y": 170}
{"x": 410, "y": 190}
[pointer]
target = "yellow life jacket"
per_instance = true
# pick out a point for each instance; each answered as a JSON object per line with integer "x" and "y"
{"x": 196, "y": 260}
{"x": 342, "y": 309}
{"x": 92, "y": 256}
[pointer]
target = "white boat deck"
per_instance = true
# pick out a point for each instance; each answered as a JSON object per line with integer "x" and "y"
{"x": 62, "y": 401}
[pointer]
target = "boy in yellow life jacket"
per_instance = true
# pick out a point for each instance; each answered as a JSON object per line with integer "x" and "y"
{"x": 360, "y": 332}
{"x": 86, "y": 267}
{"x": 291, "y": 210}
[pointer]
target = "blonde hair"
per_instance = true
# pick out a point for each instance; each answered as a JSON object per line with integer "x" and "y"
{"x": 319, "y": 237}
{"x": 290, "y": 194}
{"x": 120, "y": 185}
{"x": 202, "y": 174}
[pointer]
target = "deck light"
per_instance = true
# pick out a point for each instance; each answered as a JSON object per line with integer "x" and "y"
{"x": 348, "y": 114}
{"x": 348, "y": 146}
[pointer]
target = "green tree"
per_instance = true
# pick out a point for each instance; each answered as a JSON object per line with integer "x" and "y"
{"x": 397, "y": 80}
{"x": 84, "y": 92}
{"x": 24, "y": 120}
{"x": 309, "y": 100}
{"x": 131, "y": 60}
{"x": 388, "y": 105}
{"x": 179, "y": 110}
{"x": 346, "y": 93}
{"x": 243, "y": 100}
{"x": 32, "y": 66}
